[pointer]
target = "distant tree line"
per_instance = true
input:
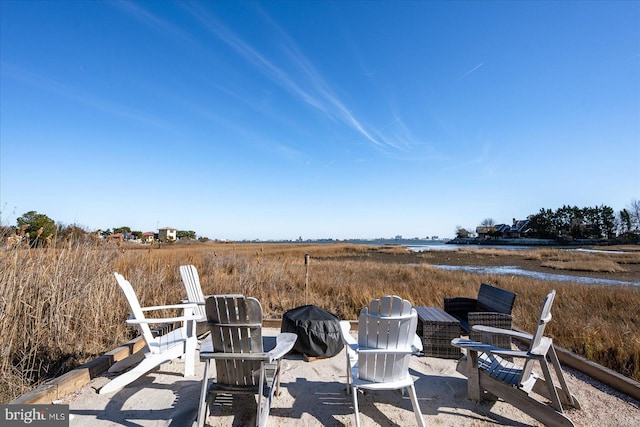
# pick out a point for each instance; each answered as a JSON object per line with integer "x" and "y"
{"x": 571, "y": 222}
{"x": 37, "y": 229}
{"x": 575, "y": 223}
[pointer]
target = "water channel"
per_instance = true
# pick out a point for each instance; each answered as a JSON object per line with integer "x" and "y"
{"x": 512, "y": 270}
{"x": 535, "y": 274}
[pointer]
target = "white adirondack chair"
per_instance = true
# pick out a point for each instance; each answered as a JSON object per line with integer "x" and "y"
{"x": 242, "y": 365}
{"x": 487, "y": 371}
{"x": 379, "y": 360}
{"x": 191, "y": 280}
{"x": 180, "y": 342}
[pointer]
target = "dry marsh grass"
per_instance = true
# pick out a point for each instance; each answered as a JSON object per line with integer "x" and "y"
{"x": 606, "y": 261}
{"x": 61, "y": 307}
{"x": 585, "y": 261}
{"x": 606, "y": 266}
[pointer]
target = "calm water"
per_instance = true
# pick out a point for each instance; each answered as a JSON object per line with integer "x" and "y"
{"x": 536, "y": 275}
{"x": 507, "y": 269}
{"x": 441, "y": 246}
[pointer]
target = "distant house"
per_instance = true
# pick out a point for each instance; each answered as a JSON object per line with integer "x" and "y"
{"x": 115, "y": 236}
{"x": 167, "y": 234}
{"x": 148, "y": 237}
{"x": 515, "y": 231}
{"x": 121, "y": 237}
{"x": 519, "y": 228}
{"x": 485, "y": 232}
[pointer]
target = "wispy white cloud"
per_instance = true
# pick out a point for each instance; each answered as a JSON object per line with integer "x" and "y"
{"x": 396, "y": 134}
{"x": 152, "y": 21}
{"x": 239, "y": 46}
{"x": 302, "y": 80}
{"x": 336, "y": 106}
{"x": 80, "y": 96}
{"x": 313, "y": 90}
{"x": 292, "y": 154}
{"x": 483, "y": 162}
{"x": 470, "y": 71}
{"x": 254, "y": 57}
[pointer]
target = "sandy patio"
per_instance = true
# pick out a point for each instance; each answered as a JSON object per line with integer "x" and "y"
{"x": 313, "y": 394}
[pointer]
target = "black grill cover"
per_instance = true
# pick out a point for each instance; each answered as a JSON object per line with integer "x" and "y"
{"x": 318, "y": 331}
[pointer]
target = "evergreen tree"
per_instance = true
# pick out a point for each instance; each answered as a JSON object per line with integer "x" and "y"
{"x": 39, "y": 227}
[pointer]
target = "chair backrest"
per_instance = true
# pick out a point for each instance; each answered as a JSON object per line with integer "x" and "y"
{"x": 235, "y": 322}
{"x": 496, "y": 299}
{"x": 191, "y": 280}
{"x": 545, "y": 317}
{"x": 389, "y": 323}
{"x": 136, "y": 311}
{"x": 391, "y": 305}
{"x": 537, "y": 345}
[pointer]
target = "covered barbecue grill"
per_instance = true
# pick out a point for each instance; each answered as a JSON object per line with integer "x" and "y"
{"x": 318, "y": 331}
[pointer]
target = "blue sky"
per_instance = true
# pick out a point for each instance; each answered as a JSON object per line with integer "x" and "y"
{"x": 320, "y": 119}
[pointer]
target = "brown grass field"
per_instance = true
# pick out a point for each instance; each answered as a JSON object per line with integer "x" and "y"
{"x": 61, "y": 307}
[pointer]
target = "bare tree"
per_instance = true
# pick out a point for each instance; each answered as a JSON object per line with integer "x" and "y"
{"x": 488, "y": 222}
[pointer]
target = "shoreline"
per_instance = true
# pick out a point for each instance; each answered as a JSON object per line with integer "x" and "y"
{"x": 486, "y": 257}
{"x": 543, "y": 243}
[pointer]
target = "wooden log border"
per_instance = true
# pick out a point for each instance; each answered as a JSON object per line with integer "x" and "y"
{"x": 61, "y": 386}
{"x": 66, "y": 384}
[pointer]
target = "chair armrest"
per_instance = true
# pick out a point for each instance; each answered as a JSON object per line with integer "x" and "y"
{"x": 506, "y": 332}
{"x": 187, "y": 308}
{"x": 186, "y": 301}
{"x": 284, "y": 343}
{"x": 350, "y": 341}
{"x": 207, "y": 352}
{"x": 347, "y": 338}
{"x": 259, "y": 357}
{"x": 164, "y": 320}
{"x": 206, "y": 346}
{"x": 163, "y": 307}
{"x": 416, "y": 345}
{"x": 224, "y": 295}
{"x": 368, "y": 350}
{"x": 489, "y": 318}
{"x": 487, "y": 348}
{"x": 540, "y": 349}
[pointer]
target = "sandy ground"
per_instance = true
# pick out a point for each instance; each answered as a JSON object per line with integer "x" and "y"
{"x": 313, "y": 394}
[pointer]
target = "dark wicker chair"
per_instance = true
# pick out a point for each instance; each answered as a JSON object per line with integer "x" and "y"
{"x": 492, "y": 307}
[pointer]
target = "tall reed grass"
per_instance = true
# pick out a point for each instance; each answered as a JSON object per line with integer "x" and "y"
{"x": 60, "y": 306}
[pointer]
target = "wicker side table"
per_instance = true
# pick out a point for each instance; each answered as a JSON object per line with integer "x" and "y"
{"x": 496, "y": 320}
{"x": 437, "y": 329}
